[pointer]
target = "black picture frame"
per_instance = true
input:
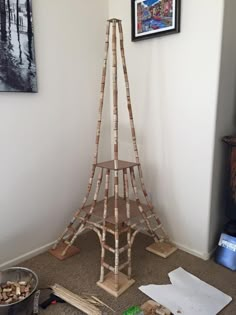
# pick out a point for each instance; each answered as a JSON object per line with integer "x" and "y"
{"x": 17, "y": 50}
{"x": 154, "y": 18}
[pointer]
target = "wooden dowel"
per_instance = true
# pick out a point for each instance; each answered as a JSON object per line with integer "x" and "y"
{"x": 115, "y": 93}
{"x": 128, "y": 92}
{"x": 115, "y": 130}
{"x": 124, "y": 185}
{"x": 116, "y": 215}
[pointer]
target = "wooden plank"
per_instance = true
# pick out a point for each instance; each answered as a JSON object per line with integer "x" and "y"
{"x": 134, "y": 212}
{"x": 163, "y": 249}
{"x": 121, "y": 165}
{"x": 109, "y": 284}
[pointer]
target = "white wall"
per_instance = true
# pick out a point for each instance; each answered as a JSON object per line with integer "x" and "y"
{"x": 225, "y": 124}
{"x": 174, "y": 87}
{"x": 47, "y": 139}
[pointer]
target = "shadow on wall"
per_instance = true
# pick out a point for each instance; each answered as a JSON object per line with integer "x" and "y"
{"x": 225, "y": 125}
{"x": 154, "y": 129}
{"x": 12, "y": 245}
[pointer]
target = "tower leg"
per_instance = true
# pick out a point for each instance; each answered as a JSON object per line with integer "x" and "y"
{"x": 140, "y": 208}
{"x": 88, "y": 215}
{"x": 62, "y": 248}
{"x": 70, "y": 226}
{"x": 150, "y": 206}
{"x": 59, "y": 242}
{"x": 116, "y": 282}
{"x": 161, "y": 247}
{"x": 116, "y": 214}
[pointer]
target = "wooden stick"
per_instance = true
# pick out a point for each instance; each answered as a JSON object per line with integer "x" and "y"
{"x": 150, "y": 206}
{"x": 75, "y": 300}
{"x": 128, "y": 92}
{"x": 115, "y": 93}
{"x": 124, "y": 185}
{"x": 116, "y": 215}
{"x": 115, "y": 131}
{"x": 102, "y": 303}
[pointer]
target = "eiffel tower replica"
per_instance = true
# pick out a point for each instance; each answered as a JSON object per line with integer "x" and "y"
{"x": 117, "y": 213}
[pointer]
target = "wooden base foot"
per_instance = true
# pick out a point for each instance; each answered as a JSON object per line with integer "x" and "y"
{"x": 72, "y": 251}
{"x": 163, "y": 249}
{"x": 109, "y": 284}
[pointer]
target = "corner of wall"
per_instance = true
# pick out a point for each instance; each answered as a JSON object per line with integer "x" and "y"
{"x": 224, "y": 122}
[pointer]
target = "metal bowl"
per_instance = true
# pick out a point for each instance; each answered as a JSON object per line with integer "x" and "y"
{"x": 17, "y": 274}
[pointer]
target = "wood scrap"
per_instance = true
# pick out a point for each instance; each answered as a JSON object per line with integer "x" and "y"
{"x": 92, "y": 298}
{"x": 75, "y": 300}
{"x": 102, "y": 303}
{"x": 153, "y": 308}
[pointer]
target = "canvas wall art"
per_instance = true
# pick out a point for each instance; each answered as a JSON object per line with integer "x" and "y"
{"x": 154, "y": 18}
{"x": 17, "y": 55}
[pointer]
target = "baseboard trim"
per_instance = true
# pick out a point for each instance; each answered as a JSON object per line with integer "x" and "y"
{"x": 26, "y": 256}
{"x": 37, "y": 251}
{"x": 204, "y": 256}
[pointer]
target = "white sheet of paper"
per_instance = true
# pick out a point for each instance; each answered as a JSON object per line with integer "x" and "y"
{"x": 187, "y": 295}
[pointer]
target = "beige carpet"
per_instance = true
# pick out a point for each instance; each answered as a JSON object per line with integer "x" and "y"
{"x": 80, "y": 273}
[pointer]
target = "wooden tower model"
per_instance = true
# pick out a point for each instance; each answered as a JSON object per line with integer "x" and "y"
{"x": 117, "y": 214}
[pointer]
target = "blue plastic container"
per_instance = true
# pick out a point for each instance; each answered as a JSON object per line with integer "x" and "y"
{"x": 226, "y": 251}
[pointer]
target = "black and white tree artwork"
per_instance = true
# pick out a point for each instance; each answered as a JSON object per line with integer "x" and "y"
{"x": 17, "y": 55}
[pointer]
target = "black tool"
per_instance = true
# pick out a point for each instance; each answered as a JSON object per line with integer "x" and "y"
{"x": 53, "y": 299}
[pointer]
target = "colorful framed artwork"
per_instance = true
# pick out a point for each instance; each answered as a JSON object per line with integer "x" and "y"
{"x": 17, "y": 54}
{"x": 152, "y": 18}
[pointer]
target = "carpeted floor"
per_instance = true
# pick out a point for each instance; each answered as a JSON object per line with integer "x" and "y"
{"x": 80, "y": 274}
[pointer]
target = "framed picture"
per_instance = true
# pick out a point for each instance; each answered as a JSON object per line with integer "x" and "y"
{"x": 152, "y": 18}
{"x": 17, "y": 55}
